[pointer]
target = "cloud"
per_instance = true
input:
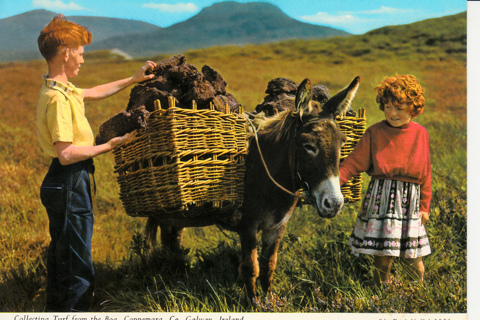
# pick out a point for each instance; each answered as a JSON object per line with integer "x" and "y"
{"x": 172, "y": 8}
{"x": 355, "y": 19}
{"x": 382, "y": 10}
{"x": 348, "y": 17}
{"x": 56, "y": 5}
{"x": 326, "y": 18}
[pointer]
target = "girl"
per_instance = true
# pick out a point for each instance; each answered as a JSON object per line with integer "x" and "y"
{"x": 396, "y": 154}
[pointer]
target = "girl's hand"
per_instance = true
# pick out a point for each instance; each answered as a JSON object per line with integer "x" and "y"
{"x": 141, "y": 76}
{"x": 424, "y": 216}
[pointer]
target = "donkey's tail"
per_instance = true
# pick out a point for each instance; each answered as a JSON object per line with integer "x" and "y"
{"x": 151, "y": 230}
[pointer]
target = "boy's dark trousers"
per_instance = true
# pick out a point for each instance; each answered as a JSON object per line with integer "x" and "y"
{"x": 67, "y": 194}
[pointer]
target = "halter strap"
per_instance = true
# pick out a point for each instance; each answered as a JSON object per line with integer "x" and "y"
{"x": 298, "y": 193}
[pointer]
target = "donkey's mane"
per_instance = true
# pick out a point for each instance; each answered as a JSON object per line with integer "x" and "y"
{"x": 280, "y": 126}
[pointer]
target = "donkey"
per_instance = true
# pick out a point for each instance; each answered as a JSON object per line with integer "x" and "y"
{"x": 296, "y": 149}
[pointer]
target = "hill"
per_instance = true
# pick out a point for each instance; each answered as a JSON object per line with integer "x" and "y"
{"x": 431, "y": 39}
{"x": 19, "y": 42}
{"x": 225, "y": 23}
{"x": 388, "y": 50}
{"x": 220, "y": 24}
{"x": 448, "y": 33}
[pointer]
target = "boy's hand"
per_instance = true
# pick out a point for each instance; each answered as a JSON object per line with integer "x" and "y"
{"x": 424, "y": 216}
{"x": 118, "y": 141}
{"x": 141, "y": 74}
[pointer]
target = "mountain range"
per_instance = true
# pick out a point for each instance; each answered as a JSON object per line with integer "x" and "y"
{"x": 18, "y": 39}
{"x": 224, "y": 23}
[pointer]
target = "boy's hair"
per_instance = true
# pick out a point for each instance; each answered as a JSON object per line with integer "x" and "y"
{"x": 62, "y": 33}
{"x": 403, "y": 89}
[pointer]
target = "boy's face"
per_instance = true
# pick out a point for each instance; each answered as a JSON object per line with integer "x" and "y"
{"x": 396, "y": 116}
{"x": 74, "y": 59}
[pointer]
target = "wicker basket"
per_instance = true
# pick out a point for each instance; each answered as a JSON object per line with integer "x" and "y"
{"x": 354, "y": 128}
{"x": 186, "y": 163}
{"x": 190, "y": 163}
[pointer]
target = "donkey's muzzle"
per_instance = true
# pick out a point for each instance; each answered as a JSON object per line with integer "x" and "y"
{"x": 329, "y": 198}
{"x": 330, "y": 205}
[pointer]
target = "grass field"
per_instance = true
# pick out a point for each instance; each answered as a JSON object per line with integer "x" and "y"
{"x": 316, "y": 272}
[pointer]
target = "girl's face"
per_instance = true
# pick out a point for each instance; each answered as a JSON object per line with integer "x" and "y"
{"x": 396, "y": 116}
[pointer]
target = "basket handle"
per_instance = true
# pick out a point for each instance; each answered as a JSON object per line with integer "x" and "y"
{"x": 171, "y": 102}
{"x": 157, "y": 104}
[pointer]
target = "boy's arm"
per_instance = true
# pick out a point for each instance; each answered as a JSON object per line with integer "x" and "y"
{"x": 68, "y": 153}
{"x": 106, "y": 90}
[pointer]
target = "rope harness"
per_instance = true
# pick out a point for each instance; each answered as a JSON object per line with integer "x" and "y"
{"x": 302, "y": 193}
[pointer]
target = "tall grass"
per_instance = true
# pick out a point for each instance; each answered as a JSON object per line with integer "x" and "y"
{"x": 316, "y": 272}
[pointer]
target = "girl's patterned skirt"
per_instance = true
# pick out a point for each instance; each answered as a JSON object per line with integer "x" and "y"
{"x": 389, "y": 222}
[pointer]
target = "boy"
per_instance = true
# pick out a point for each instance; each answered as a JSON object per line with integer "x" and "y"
{"x": 67, "y": 192}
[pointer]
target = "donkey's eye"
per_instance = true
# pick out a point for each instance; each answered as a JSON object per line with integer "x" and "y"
{"x": 310, "y": 148}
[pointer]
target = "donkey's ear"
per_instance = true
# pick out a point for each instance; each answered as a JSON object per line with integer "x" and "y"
{"x": 303, "y": 98}
{"x": 339, "y": 104}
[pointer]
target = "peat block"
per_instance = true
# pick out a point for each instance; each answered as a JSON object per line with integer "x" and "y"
{"x": 176, "y": 78}
{"x": 281, "y": 96}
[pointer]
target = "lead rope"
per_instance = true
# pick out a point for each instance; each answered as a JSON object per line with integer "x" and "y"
{"x": 298, "y": 192}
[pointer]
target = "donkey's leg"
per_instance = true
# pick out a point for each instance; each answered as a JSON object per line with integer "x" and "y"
{"x": 268, "y": 258}
{"x": 248, "y": 268}
{"x": 171, "y": 238}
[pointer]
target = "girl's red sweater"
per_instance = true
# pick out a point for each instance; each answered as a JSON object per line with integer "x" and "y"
{"x": 386, "y": 152}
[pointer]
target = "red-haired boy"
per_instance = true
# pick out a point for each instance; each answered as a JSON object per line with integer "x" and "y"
{"x": 64, "y": 133}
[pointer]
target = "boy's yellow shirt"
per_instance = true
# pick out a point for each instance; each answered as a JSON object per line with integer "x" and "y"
{"x": 61, "y": 116}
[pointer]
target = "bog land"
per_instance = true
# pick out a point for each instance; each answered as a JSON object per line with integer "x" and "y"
{"x": 316, "y": 272}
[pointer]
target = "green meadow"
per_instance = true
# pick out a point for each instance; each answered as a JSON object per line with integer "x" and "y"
{"x": 315, "y": 272}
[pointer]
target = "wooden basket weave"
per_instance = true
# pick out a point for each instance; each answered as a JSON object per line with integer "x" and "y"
{"x": 354, "y": 128}
{"x": 187, "y": 162}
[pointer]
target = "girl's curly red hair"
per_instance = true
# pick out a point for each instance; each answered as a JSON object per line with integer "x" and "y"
{"x": 404, "y": 89}
{"x": 62, "y": 33}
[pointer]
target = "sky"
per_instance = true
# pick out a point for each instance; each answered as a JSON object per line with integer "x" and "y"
{"x": 354, "y": 16}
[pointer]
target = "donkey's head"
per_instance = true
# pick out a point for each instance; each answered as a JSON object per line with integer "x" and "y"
{"x": 318, "y": 143}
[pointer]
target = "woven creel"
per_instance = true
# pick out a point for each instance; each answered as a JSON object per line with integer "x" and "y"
{"x": 186, "y": 163}
{"x": 353, "y": 127}
{"x": 190, "y": 163}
